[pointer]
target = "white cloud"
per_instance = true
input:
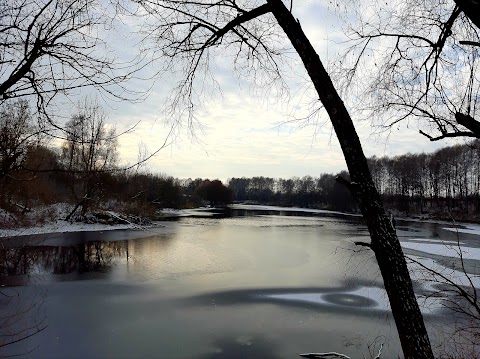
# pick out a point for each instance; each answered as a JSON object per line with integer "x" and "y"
{"x": 241, "y": 134}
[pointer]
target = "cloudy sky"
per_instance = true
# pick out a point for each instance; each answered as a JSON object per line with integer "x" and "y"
{"x": 250, "y": 132}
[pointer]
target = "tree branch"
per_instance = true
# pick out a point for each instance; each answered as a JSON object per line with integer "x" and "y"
{"x": 471, "y": 8}
{"x": 471, "y": 43}
{"x": 448, "y": 135}
{"x": 244, "y": 17}
{"x": 468, "y": 122}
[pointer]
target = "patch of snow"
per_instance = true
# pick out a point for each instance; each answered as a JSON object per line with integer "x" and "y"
{"x": 47, "y": 219}
{"x": 254, "y": 207}
{"x": 421, "y": 274}
{"x": 61, "y": 227}
{"x": 171, "y": 211}
{"x": 426, "y": 240}
{"x": 437, "y": 273}
{"x": 378, "y": 295}
{"x": 470, "y": 229}
{"x": 446, "y": 249}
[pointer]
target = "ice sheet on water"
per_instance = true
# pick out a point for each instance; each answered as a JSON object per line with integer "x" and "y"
{"x": 469, "y": 229}
{"x": 366, "y": 298}
{"x": 286, "y": 209}
{"x": 446, "y": 249}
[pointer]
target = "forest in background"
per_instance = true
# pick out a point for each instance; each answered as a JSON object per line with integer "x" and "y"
{"x": 82, "y": 169}
{"x": 444, "y": 184}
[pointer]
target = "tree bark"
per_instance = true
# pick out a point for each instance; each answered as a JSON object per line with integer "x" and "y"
{"x": 384, "y": 241}
{"x": 468, "y": 122}
{"x": 471, "y": 9}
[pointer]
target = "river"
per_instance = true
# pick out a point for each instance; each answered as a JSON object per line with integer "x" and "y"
{"x": 257, "y": 283}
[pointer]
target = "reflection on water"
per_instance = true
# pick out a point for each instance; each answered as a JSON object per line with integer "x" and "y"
{"x": 243, "y": 284}
{"x": 83, "y": 257}
{"x": 242, "y": 347}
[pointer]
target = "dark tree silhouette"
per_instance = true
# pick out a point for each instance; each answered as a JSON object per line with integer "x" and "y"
{"x": 214, "y": 192}
{"x": 17, "y": 133}
{"x": 417, "y": 60}
{"x": 89, "y": 149}
{"x": 188, "y": 30}
{"x": 51, "y": 47}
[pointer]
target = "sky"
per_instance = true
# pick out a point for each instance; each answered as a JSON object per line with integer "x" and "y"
{"x": 250, "y": 132}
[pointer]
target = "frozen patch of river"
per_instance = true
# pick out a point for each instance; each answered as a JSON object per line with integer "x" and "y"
{"x": 261, "y": 286}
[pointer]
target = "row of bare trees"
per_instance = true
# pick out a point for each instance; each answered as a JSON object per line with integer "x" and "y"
{"x": 30, "y": 166}
{"x": 77, "y": 165}
{"x": 308, "y": 192}
{"x": 446, "y": 182}
{"x": 49, "y": 51}
{"x": 421, "y": 59}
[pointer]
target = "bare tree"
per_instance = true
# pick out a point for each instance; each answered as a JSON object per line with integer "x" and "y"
{"x": 18, "y": 135}
{"x": 192, "y": 30}
{"x": 417, "y": 60}
{"x": 17, "y": 132}
{"x": 471, "y": 9}
{"x": 51, "y": 47}
{"x": 89, "y": 150}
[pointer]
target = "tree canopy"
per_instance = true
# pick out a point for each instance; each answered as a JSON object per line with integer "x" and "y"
{"x": 416, "y": 61}
{"x": 188, "y": 30}
{"x": 50, "y": 48}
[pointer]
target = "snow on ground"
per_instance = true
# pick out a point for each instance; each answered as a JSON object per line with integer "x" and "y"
{"x": 61, "y": 227}
{"x": 256, "y": 207}
{"x": 51, "y": 224}
{"x": 446, "y": 249}
{"x": 470, "y": 229}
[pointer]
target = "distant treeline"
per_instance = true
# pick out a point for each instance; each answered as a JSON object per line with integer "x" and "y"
{"x": 444, "y": 183}
{"x": 45, "y": 178}
{"x": 82, "y": 169}
{"x": 309, "y": 192}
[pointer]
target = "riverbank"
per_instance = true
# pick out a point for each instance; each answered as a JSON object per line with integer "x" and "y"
{"x": 50, "y": 219}
{"x": 52, "y": 222}
{"x": 60, "y": 226}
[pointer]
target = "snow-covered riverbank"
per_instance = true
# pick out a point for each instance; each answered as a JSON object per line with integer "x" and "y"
{"x": 49, "y": 219}
{"x": 60, "y": 226}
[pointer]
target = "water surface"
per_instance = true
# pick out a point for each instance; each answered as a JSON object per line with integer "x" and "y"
{"x": 255, "y": 285}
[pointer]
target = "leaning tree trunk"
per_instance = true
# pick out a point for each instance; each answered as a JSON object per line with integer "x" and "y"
{"x": 384, "y": 241}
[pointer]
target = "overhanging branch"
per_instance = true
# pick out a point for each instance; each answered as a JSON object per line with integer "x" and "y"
{"x": 471, "y": 8}
{"x": 471, "y": 43}
{"x": 244, "y": 17}
{"x": 448, "y": 135}
{"x": 468, "y": 122}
